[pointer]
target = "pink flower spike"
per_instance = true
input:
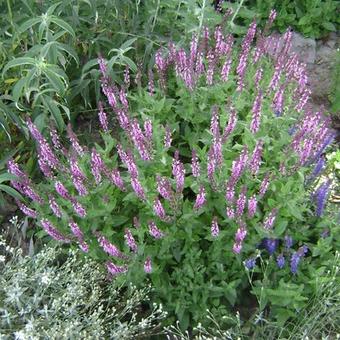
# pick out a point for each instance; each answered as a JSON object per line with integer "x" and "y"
{"x": 52, "y": 231}
{"x": 110, "y": 248}
{"x": 130, "y": 241}
{"x": 154, "y": 231}
{"x": 26, "y": 210}
{"x": 215, "y": 230}
{"x": 148, "y": 265}
{"x": 200, "y": 198}
{"x": 159, "y": 209}
{"x": 252, "y": 204}
{"x": 114, "y": 269}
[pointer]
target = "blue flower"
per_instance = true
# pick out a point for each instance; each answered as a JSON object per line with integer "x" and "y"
{"x": 296, "y": 258}
{"x": 321, "y": 197}
{"x": 288, "y": 241}
{"x": 250, "y": 263}
{"x": 280, "y": 260}
{"x": 270, "y": 244}
{"x": 292, "y": 130}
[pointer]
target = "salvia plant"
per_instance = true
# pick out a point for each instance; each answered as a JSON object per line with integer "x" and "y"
{"x": 61, "y": 295}
{"x": 197, "y": 173}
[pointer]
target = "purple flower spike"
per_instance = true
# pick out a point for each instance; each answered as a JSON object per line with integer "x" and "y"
{"x": 270, "y": 219}
{"x": 257, "y": 108}
{"x": 62, "y": 191}
{"x": 110, "y": 248}
{"x": 97, "y": 166}
{"x": 140, "y": 141}
{"x": 215, "y": 230}
{"x": 241, "y": 202}
{"x": 167, "y": 138}
{"x": 74, "y": 141}
{"x": 264, "y": 185}
{"x": 77, "y": 177}
{"x": 254, "y": 163}
{"x": 117, "y": 179}
{"x": 164, "y": 188}
{"x": 296, "y": 258}
{"x": 280, "y": 260}
{"x": 230, "y": 191}
{"x": 230, "y": 126}
{"x": 26, "y": 210}
{"x": 103, "y": 117}
{"x": 78, "y": 208}
{"x": 270, "y": 244}
{"x": 148, "y": 265}
{"x": 76, "y": 230}
{"x": 154, "y": 231}
{"x": 130, "y": 241}
{"x": 178, "y": 172}
{"x": 288, "y": 240}
{"x": 195, "y": 166}
{"x": 115, "y": 270}
{"x": 52, "y": 231}
{"x": 159, "y": 209}
{"x": 200, "y": 198}
{"x": 321, "y": 197}
{"x": 252, "y": 204}
{"x": 54, "y": 206}
{"x": 230, "y": 213}
{"x": 239, "y": 165}
{"x": 137, "y": 188}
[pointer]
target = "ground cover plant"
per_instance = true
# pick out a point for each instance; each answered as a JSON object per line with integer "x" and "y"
{"x": 312, "y": 18}
{"x": 58, "y": 294}
{"x": 202, "y": 183}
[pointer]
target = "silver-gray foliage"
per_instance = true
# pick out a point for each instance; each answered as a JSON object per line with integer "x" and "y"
{"x": 57, "y": 295}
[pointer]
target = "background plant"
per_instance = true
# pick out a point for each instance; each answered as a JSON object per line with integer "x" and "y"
{"x": 58, "y": 292}
{"x": 312, "y": 18}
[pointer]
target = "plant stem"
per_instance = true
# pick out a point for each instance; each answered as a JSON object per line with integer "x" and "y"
{"x": 236, "y": 12}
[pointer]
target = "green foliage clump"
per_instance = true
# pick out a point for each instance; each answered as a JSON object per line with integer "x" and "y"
{"x": 312, "y": 18}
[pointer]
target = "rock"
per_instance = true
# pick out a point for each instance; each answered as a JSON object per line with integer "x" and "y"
{"x": 325, "y": 54}
{"x": 304, "y": 47}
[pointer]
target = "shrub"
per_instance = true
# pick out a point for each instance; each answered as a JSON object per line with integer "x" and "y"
{"x": 204, "y": 192}
{"x": 59, "y": 294}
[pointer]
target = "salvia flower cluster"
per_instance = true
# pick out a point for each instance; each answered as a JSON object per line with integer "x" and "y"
{"x": 145, "y": 165}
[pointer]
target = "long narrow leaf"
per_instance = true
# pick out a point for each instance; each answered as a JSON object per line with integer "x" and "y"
{"x": 64, "y": 25}
{"x": 10, "y": 191}
{"x": 28, "y": 24}
{"x": 18, "y": 62}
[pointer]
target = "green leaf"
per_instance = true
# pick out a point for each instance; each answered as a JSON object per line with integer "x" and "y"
{"x": 17, "y": 91}
{"x": 64, "y": 25}
{"x": 52, "y": 8}
{"x": 118, "y": 220}
{"x": 52, "y": 106}
{"x": 55, "y": 80}
{"x": 128, "y": 43}
{"x": 18, "y": 62}
{"x": 89, "y": 65}
{"x": 11, "y": 191}
{"x": 131, "y": 64}
{"x": 329, "y": 26}
{"x": 28, "y": 24}
{"x": 7, "y": 177}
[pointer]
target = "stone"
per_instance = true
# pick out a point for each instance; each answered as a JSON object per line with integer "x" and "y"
{"x": 305, "y": 48}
